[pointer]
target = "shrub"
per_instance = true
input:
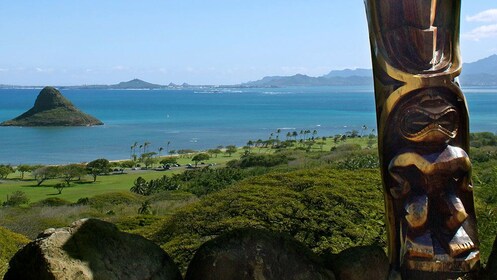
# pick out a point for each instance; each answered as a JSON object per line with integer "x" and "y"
{"x": 16, "y": 198}
{"x": 165, "y": 183}
{"x": 52, "y": 202}
{"x": 10, "y": 243}
{"x": 203, "y": 181}
{"x": 83, "y": 201}
{"x": 326, "y": 209}
{"x": 482, "y": 139}
{"x": 115, "y": 198}
{"x": 359, "y": 162}
{"x": 262, "y": 160}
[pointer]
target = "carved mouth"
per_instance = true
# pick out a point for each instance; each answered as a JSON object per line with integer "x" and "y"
{"x": 419, "y": 124}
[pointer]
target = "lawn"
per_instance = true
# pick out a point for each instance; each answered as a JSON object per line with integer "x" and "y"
{"x": 123, "y": 182}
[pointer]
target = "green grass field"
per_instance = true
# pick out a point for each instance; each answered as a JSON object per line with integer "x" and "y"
{"x": 104, "y": 184}
{"x": 123, "y": 182}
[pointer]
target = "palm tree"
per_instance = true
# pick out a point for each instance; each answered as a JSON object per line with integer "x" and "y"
{"x": 134, "y": 150}
{"x": 145, "y": 145}
{"x": 139, "y": 186}
{"x": 145, "y": 209}
{"x": 167, "y": 146}
{"x": 295, "y": 134}
{"x": 160, "y": 150}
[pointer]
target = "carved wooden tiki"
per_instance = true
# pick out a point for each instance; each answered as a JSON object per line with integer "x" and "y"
{"x": 423, "y": 138}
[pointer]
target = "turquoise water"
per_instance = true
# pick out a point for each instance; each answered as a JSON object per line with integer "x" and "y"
{"x": 197, "y": 119}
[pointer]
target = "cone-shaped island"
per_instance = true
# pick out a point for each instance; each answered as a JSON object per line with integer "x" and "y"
{"x": 53, "y": 109}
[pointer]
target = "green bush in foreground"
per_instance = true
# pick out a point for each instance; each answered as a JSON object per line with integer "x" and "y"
{"x": 16, "y": 198}
{"x": 52, "y": 202}
{"x": 10, "y": 243}
{"x": 115, "y": 198}
{"x": 326, "y": 209}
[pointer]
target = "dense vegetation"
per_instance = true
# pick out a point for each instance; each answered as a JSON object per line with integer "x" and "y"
{"x": 326, "y": 193}
{"x": 9, "y": 244}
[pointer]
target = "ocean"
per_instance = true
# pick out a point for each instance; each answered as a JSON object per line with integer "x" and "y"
{"x": 197, "y": 119}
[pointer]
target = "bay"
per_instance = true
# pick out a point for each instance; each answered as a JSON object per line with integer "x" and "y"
{"x": 197, "y": 119}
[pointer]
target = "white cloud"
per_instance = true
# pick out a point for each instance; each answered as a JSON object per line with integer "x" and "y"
{"x": 485, "y": 31}
{"x": 485, "y": 16}
{"x": 43, "y": 70}
{"x": 120, "y": 68}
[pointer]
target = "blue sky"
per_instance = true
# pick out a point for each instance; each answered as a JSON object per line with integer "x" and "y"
{"x": 197, "y": 41}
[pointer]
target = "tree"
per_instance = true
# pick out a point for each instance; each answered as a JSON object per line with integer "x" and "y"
{"x": 145, "y": 145}
{"x": 127, "y": 163}
{"x": 139, "y": 186}
{"x": 145, "y": 209}
{"x": 60, "y": 186}
{"x": 169, "y": 160}
{"x": 148, "y": 159}
{"x": 133, "y": 156}
{"x": 72, "y": 171}
{"x": 23, "y": 168}
{"x": 46, "y": 172}
{"x": 295, "y": 134}
{"x": 214, "y": 151}
{"x": 231, "y": 149}
{"x": 250, "y": 143}
{"x": 5, "y": 170}
{"x": 200, "y": 157}
{"x": 98, "y": 167}
{"x": 364, "y": 128}
{"x": 288, "y": 135}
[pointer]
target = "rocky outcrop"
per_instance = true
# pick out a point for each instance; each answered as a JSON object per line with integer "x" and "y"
{"x": 53, "y": 109}
{"x": 255, "y": 255}
{"x": 361, "y": 263}
{"x": 91, "y": 249}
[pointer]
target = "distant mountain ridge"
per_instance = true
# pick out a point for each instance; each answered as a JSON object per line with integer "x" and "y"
{"x": 479, "y": 73}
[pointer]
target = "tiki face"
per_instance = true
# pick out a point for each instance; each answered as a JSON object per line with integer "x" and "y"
{"x": 428, "y": 119}
{"x": 423, "y": 138}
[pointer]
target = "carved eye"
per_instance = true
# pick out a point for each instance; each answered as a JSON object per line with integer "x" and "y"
{"x": 414, "y": 122}
{"x": 448, "y": 121}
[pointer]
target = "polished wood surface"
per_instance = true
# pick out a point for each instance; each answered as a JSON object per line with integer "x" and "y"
{"x": 423, "y": 136}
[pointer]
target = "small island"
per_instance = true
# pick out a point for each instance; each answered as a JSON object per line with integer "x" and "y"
{"x": 51, "y": 108}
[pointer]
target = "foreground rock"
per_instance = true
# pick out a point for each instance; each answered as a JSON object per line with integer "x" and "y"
{"x": 91, "y": 249}
{"x": 53, "y": 109}
{"x": 361, "y": 263}
{"x": 255, "y": 255}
